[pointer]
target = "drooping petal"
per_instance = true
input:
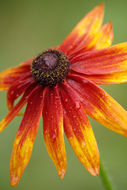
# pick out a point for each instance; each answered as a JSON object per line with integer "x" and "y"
{"x": 23, "y": 144}
{"x": 10, "y": 116}
{"x": 106, "y": 63}
{"x": 53, "y": 129}
{"x": 100, "y": 105}
{"x": 17, "y": 89}
{"x": 78, "y": 129}
{"x": 84, "y": 32}
{"x": 9, "y": 76}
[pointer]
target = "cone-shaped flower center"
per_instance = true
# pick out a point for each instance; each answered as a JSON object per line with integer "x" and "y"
{"x": 50, "y": 67}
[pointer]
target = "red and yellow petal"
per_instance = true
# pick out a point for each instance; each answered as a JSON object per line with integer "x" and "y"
{"x": 113, "y": 78}
{"x": 53, "y": 129}
{"x": 101, "y": 40}
{"x": 85, "y": 31}
{"x": 23, "y": 144}
{"x": 104, "y": 37}
{"x": 103, "y": 64}
{"x": 100, "y": 105}
{"x": 106, "y": 61}
{"x": 78, "y": 129}
{"x": 9, "y": 76}
{"x": 10, "y": 116}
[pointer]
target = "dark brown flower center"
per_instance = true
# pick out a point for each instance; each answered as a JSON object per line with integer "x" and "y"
{"x": 50, "y": 67}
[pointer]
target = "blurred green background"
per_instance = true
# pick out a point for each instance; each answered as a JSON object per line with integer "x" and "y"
{"x": 26, "y": 28}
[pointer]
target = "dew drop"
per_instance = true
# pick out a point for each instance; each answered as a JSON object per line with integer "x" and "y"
{"x": 66, "y": 100}
{"x": 83, "y": 143}
{"x": 74, "y": 129}
{"x": 12, "y": 92}
{"x": 57, "y": 97}
{"x": 17, "y": 95}
{"x": 77, "y": 105}
{"x": 54, "y": 136}
{"x": 110, "y": 104}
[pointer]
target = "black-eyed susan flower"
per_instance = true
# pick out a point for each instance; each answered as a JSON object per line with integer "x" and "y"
{"x": 61, "y": 84}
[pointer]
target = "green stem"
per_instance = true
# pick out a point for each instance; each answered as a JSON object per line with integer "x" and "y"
{"x": 104, "y": 178}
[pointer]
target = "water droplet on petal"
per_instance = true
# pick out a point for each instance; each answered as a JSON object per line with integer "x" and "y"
{"x": 77, "y": 105}
{"x": 66, "y": 100}
{"x": 83, "y": 143}
{"x": 12, "y": 92}
{"x": 74, "y": 116}
{"x": 17, "y": 95}
{"x": 54, "y": 136}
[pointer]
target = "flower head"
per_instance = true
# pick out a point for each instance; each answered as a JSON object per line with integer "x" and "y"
{"x": 61, "y": 84}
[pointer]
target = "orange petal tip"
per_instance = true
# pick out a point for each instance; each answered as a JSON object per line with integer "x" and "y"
{"x": 101, "y": 5}
{"x": 14, "y": 181}
{"x": 94, "y": 171}
{"x": 110, "y": 24}
{"x": 61, "y": 174}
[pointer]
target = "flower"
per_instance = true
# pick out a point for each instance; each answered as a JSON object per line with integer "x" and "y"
{"x": 61, "y": 84}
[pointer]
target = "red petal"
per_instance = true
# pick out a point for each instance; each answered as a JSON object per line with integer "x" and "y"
{"x": 84, "y": 32}
{"x": 9, "y": 76}
{"x": 78, "y": 129}
{"x": 103, "y": 64}
{"x": 53, "y": 129}
{"x": 100, "y": 105}
{"x": 23, "y": 144}
{"x": 10, "y": 116}
{"x": 17, "y": 89}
